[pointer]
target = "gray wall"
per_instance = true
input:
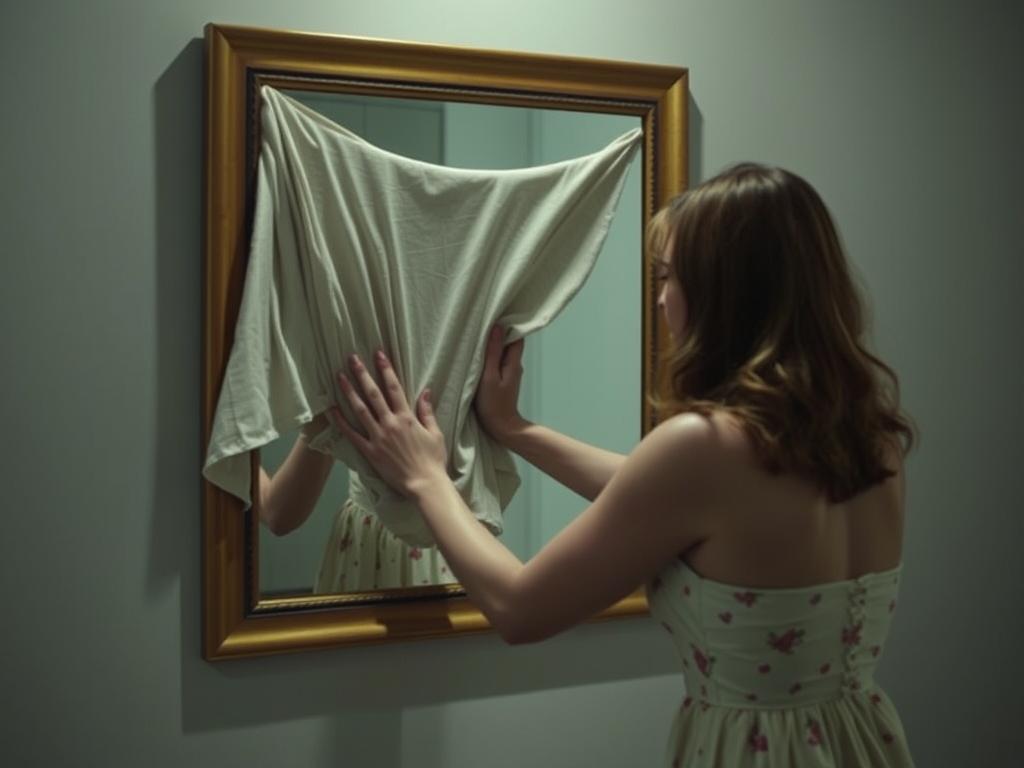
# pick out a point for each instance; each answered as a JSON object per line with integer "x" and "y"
{"x": 906, "y": 116}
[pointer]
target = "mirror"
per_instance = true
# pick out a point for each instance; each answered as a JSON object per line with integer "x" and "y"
{"x": 329, "y": 554}
{"x": 462, "y": 109}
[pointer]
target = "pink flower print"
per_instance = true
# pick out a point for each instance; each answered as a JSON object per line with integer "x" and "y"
{"x": 814, "y": 736}
{"x": 757, "y": 741}
{"x": 415, "y": 553}
{"x": 704, "y": 691}
{"x": 367, "y": 520}
{"x": 343, "y": 544}
{"x": 764, "y": 669}
{"x": 725, "y": 616}
{"x": 887, "y": 738}
{"x": 876, "y": 699}
{"x": 687, "y": 701}
{"x": 444, "y": 569}
{"x": 815, "y": 598}
{"x": 794, "y": 689}
{"x": 747, "y": 598}
{"x": 892, "y": 606}
{"x": 825, "y": 668}
{"x": 704, "y": 706}
{"x": 851, "y": 635}
{"x": 686, "y": 590}
{"x": 785, "y": 643}
{"x": 875, "y": 650}
{"x": 704, "y": 663}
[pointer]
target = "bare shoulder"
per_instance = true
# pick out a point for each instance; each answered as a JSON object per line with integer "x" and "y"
{"x": 686, "y": 436}
{"x": 716, "y": 429}
{"x": 708, "y": 440}
{"x": 691, "y": 451}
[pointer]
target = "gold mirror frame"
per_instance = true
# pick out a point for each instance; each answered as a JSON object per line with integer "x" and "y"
{"x": 236, "y": 622}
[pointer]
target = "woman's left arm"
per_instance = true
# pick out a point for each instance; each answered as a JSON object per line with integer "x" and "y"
{"x": 652, "y": 510}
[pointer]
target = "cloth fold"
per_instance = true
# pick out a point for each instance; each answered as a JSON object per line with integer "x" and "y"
{"x": 355, "y": 249}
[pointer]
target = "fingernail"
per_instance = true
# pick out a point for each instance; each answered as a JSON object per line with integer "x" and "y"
{"x": 381, "y": 357}
{"x": 354, "y": 361}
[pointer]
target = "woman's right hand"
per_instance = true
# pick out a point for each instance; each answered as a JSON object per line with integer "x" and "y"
{"x": 497, "y": 396}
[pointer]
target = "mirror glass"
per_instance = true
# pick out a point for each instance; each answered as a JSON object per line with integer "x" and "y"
{"x": 582, "y": 372}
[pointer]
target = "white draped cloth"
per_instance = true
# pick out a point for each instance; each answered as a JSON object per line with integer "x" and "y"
{"x": 356, "y": 249}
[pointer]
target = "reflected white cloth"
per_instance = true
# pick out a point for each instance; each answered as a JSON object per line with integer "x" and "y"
{"x": 354, "y": 249}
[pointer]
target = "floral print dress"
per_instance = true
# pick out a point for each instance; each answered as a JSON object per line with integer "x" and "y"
{"x": 780, "y": 677}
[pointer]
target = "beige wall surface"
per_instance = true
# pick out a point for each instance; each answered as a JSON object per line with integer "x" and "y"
{"x": 906, "y": 116}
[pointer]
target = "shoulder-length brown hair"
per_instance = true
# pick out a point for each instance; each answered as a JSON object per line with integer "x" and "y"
{"x": 775, "y": 330}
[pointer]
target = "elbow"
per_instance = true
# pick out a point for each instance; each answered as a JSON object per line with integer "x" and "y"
{"x": 519, "y": 619}
{"x": 513, "y": 635}
{"x": 516, "y": 637}
{"x": 274, "y": 523}
{"x": 279, "y": 530}
{"x": 519, "y": 638}
{"x": 518, "y": 630}
{"x": 525, "y": 636}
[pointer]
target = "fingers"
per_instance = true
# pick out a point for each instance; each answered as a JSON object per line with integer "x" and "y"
{"x": 378, "y": 405}
{"x": 371, "y": 405}
{"x": 512, "y": 365}
{"x": 425, "y": 412}
{"x": 392, "y": 386}
{"x": 502, "y": 361}
{"x": 363, "y": 413}
{"x": 492, "y": 357}
{"x": 346, "y": 429}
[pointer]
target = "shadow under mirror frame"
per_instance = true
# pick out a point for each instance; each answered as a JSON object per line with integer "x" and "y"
{"x": 236, "y": 621}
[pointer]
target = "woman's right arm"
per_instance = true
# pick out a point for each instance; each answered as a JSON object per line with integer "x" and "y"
{"x": 288, "y": 497}
{"x": 582, "y": 467}
{"x": 579, "y": 466}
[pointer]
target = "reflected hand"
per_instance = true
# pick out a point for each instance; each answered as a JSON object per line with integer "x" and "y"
{"x": 497, "y": 395}
{"x": 404, "y": 447}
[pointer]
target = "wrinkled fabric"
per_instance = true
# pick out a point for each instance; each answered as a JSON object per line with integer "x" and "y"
{"x": 780, "y": 677}
{"x": 356, "y": 249}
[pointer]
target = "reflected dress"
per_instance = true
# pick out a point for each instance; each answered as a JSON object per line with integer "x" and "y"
{"x": 780, "y": 677}
{"x": 362, "y": 555}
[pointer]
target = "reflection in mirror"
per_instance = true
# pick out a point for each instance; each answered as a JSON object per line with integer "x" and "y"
{"x": 582, "y": 372}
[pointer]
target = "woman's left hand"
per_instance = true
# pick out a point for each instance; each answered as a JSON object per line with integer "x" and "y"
{"x": 404, "y": 447}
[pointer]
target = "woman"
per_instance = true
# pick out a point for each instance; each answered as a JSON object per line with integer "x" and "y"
{"x": 765, "y": 515}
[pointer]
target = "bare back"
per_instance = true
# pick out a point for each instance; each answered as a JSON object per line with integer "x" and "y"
{"x": 776, "y": 531}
